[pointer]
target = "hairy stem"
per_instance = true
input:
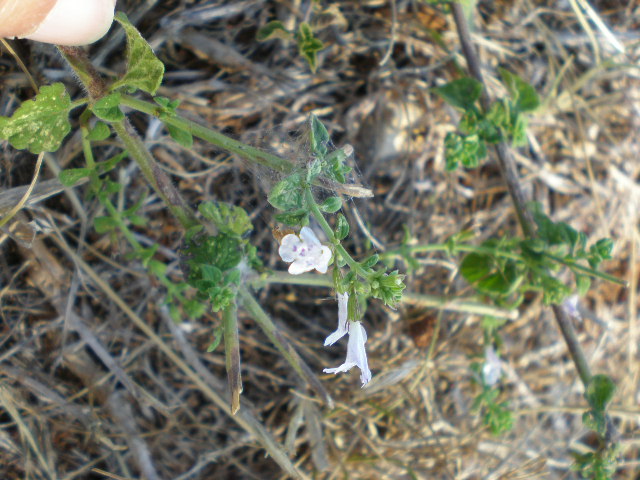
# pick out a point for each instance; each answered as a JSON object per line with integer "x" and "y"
{"x": 154, "y": 174}
{"x": 319, "y": 216}
{"x": 510, "y": 175}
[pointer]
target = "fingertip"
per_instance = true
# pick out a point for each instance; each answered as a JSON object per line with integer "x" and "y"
{"x": 75, "y": 22}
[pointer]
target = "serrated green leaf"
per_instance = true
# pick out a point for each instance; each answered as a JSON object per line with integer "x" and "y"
{"x": 99, "y": 132}
{"x": 144, "y": 70}
{"x": 462, "y": 93}
{"x": 71, "y": 176}
{"x": 273, "y": 29}
{"x": 227, "y": 218}
{"x": 600, "y": 391}
{"x": 331, "y": 205}
{"x": 287, "y": 193}
{"x": 108, "y": 108}
{"x": 524, "y": 95}
{"x": 39, "y": 125}
{"x": 308, "y": 45}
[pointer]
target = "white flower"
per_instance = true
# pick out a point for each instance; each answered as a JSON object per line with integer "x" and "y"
{"x": 571, "y": 306}
{"x": 343, "y": 328}
{"x": 492, "y": 368}
{"x": 305, "y": 251}
{"x": 356, "y": 353}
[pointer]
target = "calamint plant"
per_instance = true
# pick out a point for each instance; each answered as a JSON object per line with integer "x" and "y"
{"x": 221, "y": 265}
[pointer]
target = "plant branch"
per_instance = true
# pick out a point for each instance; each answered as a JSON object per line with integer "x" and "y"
{"x": 510, "y": 175}
{"x": 451, "y": 304}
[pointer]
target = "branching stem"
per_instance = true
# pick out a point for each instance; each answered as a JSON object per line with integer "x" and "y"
{"x": 510, "y": 175}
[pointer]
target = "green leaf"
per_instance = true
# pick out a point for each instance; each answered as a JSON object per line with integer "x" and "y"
{"x": 111, "y": 163}
{"x": 182, "y": 137}
{"x": 600, "y": 391}
{"x": 462, "y": 93}
{"x": 287, "y": 193}
{"x": 157, "y": 268}
{"x": 104, "y": 224}
{"x": 342, "y": 227}
{"x": 524, "y": 95}
{"x": 273, "y": 29}
{"x": 71, "y": 176}
{"x": 144, "y": 70}
{"x": 168, "y": 106}
{"x": 146, "y": 254}
{"x": 217, "y": 338}
{"x": 227, "y": 218}
{"x": 519, "y": 132}
{"x": 476, "y": 266}
{"x": 371, "y": 261}
{"x": 331, "y": 205}
{"x": 295, "y": 218}
{"x": 319, "y": 137}
{"x": 41, "y": 124}
{"x": 308, "y": 45}
{"x": 603, "y": 248}
{"x": 583, "y": 283}
{"x": 100, "y": 132}
{"x": 108, "y": 108}
{"x": 223, "y": 251}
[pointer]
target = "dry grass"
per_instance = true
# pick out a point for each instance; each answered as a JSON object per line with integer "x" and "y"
{"x": 97, "y": 382}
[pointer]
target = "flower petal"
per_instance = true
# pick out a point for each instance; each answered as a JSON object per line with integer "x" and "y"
{"x": 309, "y": 237}
{"x": 356, "y": 352}
{"x": 322, "y": 263}
{"x": 289, "y": 247}
{"x": 299, "y": 266}
{"x": 345, "y": 367}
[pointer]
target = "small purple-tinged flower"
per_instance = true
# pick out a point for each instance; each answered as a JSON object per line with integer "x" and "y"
{"x": 305, "y": 252}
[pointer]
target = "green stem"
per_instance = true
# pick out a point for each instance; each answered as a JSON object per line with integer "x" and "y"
{"x": 284, "y": 347}
{"x": 245, "y": 151}
{"x": 154, "y": 174}
{"x": 443, "y": 247}
{"x": 451, "y": 304}
{"x": 317, "y": 214}
{"x": 589, "y": 271}
{"x": 232, "y": 354}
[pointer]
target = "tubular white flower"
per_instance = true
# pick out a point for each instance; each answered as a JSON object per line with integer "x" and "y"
{"x": 492, "y": 368}
{"x": 343, "y": 323}
{"x": 305, "y": 251}
{"x": 356, "y": 352}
